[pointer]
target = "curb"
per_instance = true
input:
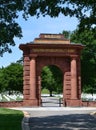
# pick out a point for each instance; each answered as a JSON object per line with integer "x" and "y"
{"x": 25, "y": 121}
{"x": 93, "y": 113}
{"x": 26, "y": 114}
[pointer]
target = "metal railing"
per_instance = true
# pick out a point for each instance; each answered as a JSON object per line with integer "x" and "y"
{"x": 52, "y": 101}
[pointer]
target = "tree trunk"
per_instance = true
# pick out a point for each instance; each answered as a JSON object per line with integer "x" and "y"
{"x": 50, "y": 93}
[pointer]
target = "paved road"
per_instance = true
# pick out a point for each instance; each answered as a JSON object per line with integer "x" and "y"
{"x": 51, "y": 101}
{"x": 53, "y": 117}
{"x": 60, "y": 118}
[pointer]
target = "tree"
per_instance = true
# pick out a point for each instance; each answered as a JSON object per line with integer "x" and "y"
{"x": 67, "y": 34}
{"x": 9, "y": 28}
{"x": 52, "y": 79}
{"x": 88, "y": 59}
{"x": 11, "y": 78}
{"x": 1, "y": 79}
{"x": 84, "y": 11}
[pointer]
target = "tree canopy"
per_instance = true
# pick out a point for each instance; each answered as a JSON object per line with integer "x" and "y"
{"x": 84, "y": 10}
{"x": 88, "y": 59}
{"x": 52, "y": 79}
{"x": 11, "y": 78}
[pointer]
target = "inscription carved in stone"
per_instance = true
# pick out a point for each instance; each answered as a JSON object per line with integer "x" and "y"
{"x": 54, "y": 50}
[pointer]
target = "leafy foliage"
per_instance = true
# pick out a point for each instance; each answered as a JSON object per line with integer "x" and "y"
{"x": 67, "y": 34}
{"x": 9, "y": 9}
{"x": 9, "y": 28}
{"x": 88, "y": 60}
{"x": 84, "y": 11}
{"x": 52, "y": 79}
{"x": 11, "y": 78}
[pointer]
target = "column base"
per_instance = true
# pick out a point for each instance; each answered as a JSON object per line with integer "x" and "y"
{"x": 74, "y": 103}
{"x": 31, "y": 102}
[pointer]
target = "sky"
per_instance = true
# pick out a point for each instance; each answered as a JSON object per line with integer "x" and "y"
{"x": 32, "y": 28}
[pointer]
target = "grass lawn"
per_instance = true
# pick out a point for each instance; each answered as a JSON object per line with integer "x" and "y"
{"x": 10, "y": 119}
{"x": 45, "y": 91}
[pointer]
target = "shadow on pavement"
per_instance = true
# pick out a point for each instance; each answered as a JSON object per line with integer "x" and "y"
{"x": 63, "y": 122}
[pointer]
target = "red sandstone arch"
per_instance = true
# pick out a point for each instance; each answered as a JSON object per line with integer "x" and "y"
{"x": 51, "y": 49}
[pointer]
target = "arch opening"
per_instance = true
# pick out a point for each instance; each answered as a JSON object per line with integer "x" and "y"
{"x": 51, "y": 85}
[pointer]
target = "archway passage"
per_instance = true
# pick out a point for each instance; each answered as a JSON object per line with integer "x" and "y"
{"x": 51, "y": 49}
{"x": 51, "y": 86}
{"x": 52, "y": 79}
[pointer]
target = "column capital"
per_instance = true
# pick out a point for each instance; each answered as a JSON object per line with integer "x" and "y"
{"x": 75, "y": 57}
{"x": 32, "y": 56}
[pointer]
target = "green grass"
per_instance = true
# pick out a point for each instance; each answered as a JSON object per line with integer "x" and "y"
{"x": 10, "y": 119}
{"x": 19, "y": 98}
{"x": 45, "y": 91}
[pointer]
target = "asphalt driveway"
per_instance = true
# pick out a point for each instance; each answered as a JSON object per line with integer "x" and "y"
{"x": 60, "y": 119}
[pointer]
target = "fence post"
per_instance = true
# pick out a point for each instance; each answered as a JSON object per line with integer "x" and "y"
{"x": 59, "y": 102}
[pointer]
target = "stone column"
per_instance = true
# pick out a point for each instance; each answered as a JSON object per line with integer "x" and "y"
{"x": 73, "y": 78}
{"x": 26, "y": 74}
{"x": 32, "y": 79}
{"x": 79, "y": 77}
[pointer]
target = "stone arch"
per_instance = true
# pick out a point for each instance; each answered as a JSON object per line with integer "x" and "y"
{"x": 53, "y": 61}
{"x": 52, "y": 49}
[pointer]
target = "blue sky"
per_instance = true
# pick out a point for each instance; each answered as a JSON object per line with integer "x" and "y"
{"x": 32, "y": 28}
